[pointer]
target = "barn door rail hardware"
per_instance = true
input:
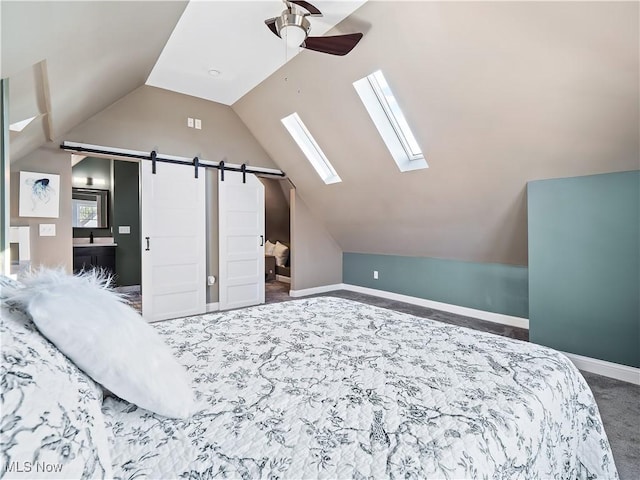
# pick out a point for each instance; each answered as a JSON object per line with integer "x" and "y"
{"x": 113, "y": 152}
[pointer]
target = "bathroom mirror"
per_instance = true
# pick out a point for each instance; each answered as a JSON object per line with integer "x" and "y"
{"x": 90, "y": 208}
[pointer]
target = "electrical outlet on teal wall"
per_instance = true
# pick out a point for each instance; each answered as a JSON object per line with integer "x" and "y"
{"x": 584, "y": 265}
{"x": 484, "y": 286}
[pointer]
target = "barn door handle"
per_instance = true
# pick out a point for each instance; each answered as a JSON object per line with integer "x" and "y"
{"x": 147, "y": 239}
{"x": 262, "y": 240}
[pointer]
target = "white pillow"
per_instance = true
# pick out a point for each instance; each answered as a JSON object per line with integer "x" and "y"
{"x": 281, "y": 252}
{"x": 269, "y": 247}
{"x": 107, "y": 339}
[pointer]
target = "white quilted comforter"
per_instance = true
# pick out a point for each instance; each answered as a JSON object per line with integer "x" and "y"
{"x": 330, "y": 388}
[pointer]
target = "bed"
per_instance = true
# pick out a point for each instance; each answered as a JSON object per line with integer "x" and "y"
{"x": 331, "y": 388}
{"x": 277, "y": 259}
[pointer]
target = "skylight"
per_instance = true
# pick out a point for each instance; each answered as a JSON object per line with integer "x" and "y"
{"x": 310, "y": 148}
{"x": 19, "y": 126}
{"x": 391, "y": 123}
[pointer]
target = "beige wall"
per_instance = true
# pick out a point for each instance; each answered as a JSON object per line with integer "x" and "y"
{"x": 147, "y": 118}
{"x": 497, "y": 94}
{"x": 50, "y": 251}
{"x": 316, "y": 259}
{"x": 211, "y": 195}
{"x": 151, "y": 118}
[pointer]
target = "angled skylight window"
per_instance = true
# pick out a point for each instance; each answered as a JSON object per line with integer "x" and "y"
{"x": 391, "y": 123}
{"x": 21, "y": 125}
{"x": 310, "y": 148}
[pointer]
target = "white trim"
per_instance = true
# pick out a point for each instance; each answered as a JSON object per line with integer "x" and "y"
{"x": 212, "y": 307}
{"x": 385, "y": 128}
{"x": 21, "y": 235}
{"x": 606, "y": 369}
{"x": 282, "y": 278}
{"x": 305, "y": 141}
{"x": 315, "y": 290}
{"x": 446, "y": 307}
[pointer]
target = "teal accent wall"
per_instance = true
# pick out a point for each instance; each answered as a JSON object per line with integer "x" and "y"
{"x": 584, "y": 265}
{"x": 126, "y": 211}
{"x": 484, "y": 286}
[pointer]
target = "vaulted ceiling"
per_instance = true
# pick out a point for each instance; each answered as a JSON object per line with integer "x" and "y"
{"x": 497, "y": 93}
{"x": 231, "y": 39}
{"x": 67, "y": 61}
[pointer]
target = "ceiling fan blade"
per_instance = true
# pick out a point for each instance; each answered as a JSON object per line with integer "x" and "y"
{"x": 313, "y": 11}
{"x": 335, "y": 45}
{"x": 271, "y": 23}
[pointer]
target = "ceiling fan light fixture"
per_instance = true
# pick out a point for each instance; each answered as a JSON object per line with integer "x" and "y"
{"x": 293, "y": 35}
{"x": 293, "y": 28}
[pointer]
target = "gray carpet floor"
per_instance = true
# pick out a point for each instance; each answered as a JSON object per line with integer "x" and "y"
{"x": 618, "y": 402}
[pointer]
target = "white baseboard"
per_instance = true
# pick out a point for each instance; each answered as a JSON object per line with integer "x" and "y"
{"x": 445, "y": 307}
{"x": 282, "y": 278}
{"x": 315, "y": 290}
{"x": 212, "y": 307}
{"x": 606, "y": 369}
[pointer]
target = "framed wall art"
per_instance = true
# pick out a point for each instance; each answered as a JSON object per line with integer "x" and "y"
{"x": 39, "y": 195}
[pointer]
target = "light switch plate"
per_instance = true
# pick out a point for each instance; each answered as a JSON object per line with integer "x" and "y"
{"x": 124, "y": 229}
{"x": 189, "y": 122}
{"x": 47, "y": 229}
{"x": 198, "y": 124}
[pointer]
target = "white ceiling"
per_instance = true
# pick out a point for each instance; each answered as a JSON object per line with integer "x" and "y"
{"x": 231, "y": 37}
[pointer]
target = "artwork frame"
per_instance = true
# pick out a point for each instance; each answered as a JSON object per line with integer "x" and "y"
{"x": 39, "y": 195}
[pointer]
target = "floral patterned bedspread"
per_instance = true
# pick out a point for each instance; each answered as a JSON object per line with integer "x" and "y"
{"x": 331, "y": 388}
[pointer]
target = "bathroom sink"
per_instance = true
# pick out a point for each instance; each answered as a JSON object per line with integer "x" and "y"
{"x": 97, "y": 242}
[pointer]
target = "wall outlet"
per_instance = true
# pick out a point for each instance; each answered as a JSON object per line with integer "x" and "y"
{"x": 47, "y": 229}
{"x": 211, "y": 280}
{"x": 375, "y": 274}
{"x": 198, "y": 124}
{"x": 189, "y": 122}
{"x": 124, "y": 229}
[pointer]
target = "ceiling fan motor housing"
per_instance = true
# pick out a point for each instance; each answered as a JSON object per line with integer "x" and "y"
{"x": 293, "y": 27}
{"x": 293, "y": 20}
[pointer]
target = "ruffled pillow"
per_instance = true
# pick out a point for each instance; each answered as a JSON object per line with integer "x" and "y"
{"x": 107, "y": 339}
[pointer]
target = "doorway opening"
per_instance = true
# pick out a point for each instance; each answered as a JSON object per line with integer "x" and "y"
{"x": 278, "y": 245}
{"x": 106, "y": 221}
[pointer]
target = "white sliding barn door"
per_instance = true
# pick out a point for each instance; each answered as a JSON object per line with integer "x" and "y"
{"x": 241, "y": 230}
{"x": 173, "y": 242}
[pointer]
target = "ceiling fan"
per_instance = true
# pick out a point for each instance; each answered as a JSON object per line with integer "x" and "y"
{"x": 293, "y": 27}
